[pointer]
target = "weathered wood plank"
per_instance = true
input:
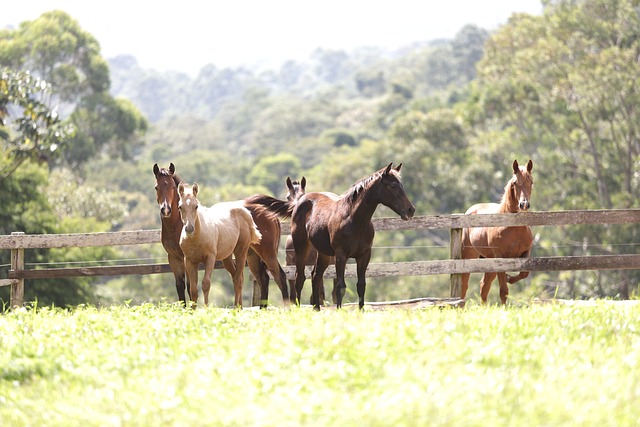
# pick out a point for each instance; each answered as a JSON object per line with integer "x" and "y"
{"x": 387, "y": 269}
{"x": 8, "y": 282}
{"x": 120, "y": 238}
{"x": 447, "y": 266}
{"x": 115, "y": 270}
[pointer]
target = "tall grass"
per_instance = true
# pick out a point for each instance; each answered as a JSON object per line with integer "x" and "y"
{"x": 161, "y": 365}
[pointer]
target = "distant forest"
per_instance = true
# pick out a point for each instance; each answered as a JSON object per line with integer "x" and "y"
{"x": 559, "y": 88}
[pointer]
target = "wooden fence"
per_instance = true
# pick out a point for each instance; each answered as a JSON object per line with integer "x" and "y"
{"x": 455, "y": 266}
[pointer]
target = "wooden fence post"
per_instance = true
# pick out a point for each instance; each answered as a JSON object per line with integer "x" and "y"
{"x": 455, "y": 252}
{"x": 17, "y": 264}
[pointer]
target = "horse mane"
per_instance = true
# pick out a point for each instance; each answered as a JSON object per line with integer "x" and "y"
{"x": 359, "y": 188}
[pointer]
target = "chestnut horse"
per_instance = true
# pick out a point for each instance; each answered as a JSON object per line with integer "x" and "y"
{"x": 261, "y": 257}
{"x": 501, "y": 242}
{"x": 167, "y": 197}
{"x": 341, "y": 228}
{"x": 223, "y": 231}
{"x": 295, "y": 190}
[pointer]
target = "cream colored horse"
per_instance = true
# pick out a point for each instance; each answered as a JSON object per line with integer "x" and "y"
{"x": 222, "y": 231}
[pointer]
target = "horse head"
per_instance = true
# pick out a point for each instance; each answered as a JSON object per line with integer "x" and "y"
{"x": 295, "y": 189}
{"x": 188, "y": 206}
{"x": 522, "y": 185}
{"x": 165, "y": 188}
{"x": 392, "y": 192}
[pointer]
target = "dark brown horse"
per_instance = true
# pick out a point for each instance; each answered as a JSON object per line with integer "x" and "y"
{"x": 295, "y": 190}
{"x": 341, "y": 228}
{"x": 501, "y": 242}
{"x": 261, "y": 257}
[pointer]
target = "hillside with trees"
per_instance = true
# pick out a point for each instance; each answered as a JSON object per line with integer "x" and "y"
{"x": 559, "y": 88}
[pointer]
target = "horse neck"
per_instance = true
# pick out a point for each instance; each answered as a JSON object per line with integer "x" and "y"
{"x": 508, "y": 204}
{"x": 362, "y": 208}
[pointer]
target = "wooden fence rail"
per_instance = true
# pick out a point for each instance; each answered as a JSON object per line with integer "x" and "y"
{"x": 18, "y": 242}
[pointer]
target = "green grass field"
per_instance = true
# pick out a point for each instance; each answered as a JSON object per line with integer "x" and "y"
{"x": 479, "y": 366}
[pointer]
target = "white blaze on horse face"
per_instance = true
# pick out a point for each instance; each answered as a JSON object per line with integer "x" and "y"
{"x": 524, "y": 186}
{"x": 189, "y": 212}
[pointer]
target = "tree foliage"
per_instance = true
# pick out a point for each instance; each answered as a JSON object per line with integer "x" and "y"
{"x": 29, "y": 129}
{"x": 55, "y": 49}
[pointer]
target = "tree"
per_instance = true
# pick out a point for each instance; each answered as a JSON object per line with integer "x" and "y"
{"x": 54, "y": 48}
{"x": 564, "y": 86}
{"x": 29, "y": 129}
{"x": 269, "y": 171}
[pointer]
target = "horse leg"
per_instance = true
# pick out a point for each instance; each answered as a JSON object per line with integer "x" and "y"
{"x": 279, "y": 276}
{"x": 514, "y": 279}
{"x": 523, "y": 274}
{"x": 290, "y": 259}
{"x": 504, "y": 288}
{"x": 192, "y": 274}
{"x": 229, "y": 264}
{"x": 206, "y": 279}
{"x": 302, "y": 249}
{"x": 241, "y": 258}
{"x": 282, "y": 284}
{"x": 485, "y": 285}
{"x": 334, "y": 296}
{"x": 464, "y": 285}
{"x": 178, "y": 270}
{"x": 317, "y": 280}
{"x": 361, "y": 264}
{"x": 341, "y": 285}
{"x": 259, "y": 271}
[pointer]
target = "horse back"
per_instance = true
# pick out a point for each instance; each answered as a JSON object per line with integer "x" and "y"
{"x": 310, "y": 219}
{"x": 224, "y": 225}
{"x": 483, "y": 208}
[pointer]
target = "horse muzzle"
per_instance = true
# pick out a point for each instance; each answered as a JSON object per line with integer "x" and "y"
{"x": 408, "y": 214}
{"x": 524, "y": 205}
{"x": 189, "y": 229}
{"x": 165, "y": 210}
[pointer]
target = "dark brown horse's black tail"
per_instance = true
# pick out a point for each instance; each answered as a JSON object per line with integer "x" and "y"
{"x": 279, "y": 207}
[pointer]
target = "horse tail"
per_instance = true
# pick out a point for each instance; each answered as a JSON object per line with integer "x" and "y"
{"x": 281, "y": 208}
{"x": 253, "y": 228}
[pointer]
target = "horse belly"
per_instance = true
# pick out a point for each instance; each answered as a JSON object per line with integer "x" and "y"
{"x": 477, "y": 239}
{"x": 510, "y": 242}
{"x": 322, "y": 244}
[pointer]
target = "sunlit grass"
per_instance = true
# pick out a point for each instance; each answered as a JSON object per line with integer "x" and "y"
{"x": 161, "y": 365}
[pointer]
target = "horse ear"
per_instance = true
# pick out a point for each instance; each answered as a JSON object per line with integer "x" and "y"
{"x": 181, "y": 189}
{"x": 303, "y": 183}
{"x": 156, "y": 170}
{"x": 386, "y": 171}
{"x": 195, "y": 189}
{"x": 172, "y": 168}
{"x": 516, "y": 167}
{"x": 397, "y": 168}
{"x": 530, "y": 165}
{"x": 289, "y": 183}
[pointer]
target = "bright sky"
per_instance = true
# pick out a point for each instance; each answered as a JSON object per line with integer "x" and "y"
{"x": 185, "y": 35}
